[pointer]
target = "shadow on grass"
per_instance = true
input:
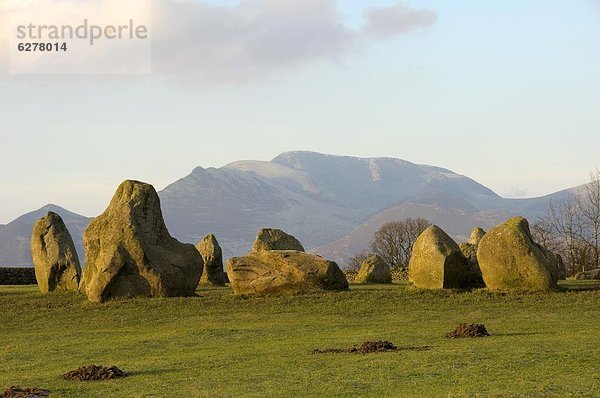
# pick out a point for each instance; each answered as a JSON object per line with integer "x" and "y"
{"x": 516, "y": 334}
{"x": 152, "y": 372}
{"x": 579, "y": 286}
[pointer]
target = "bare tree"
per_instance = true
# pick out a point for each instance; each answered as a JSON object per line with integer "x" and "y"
{"x": 356, "y": 261}
{"x": 565, "y": 222}
{"x": 559, "y": 234}
{"x": 545, "y": 235}
{"x": 394, "y": 241}
{"x": 589, "y": 207}
{"x": 571, "y": 227}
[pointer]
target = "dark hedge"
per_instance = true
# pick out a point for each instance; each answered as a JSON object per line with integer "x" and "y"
{"x": 17, "y": 276}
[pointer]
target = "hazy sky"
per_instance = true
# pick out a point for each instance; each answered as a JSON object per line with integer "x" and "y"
{"x": 506, "y": 92}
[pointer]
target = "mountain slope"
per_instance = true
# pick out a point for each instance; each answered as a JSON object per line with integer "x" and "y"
{"x": 318, "y": 198}
{"x": 457, "y": 223}
{"x": 233, "y": 204}
{"x": 15, "y": 237}
{"x": 331, "y": 203}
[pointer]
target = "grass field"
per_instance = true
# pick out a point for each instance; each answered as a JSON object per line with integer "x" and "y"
{"x": 220, "y": 345}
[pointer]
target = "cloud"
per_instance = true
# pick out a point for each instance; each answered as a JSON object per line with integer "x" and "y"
{"x": 258, "y": 38}
{"x": 247, "y": 42}
{"x": 397, "y": 19}
{"x": 199, "y": 43}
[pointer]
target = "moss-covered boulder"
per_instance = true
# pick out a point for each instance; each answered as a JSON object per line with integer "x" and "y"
{"x": 129, "y": 251}
{"x": 593, "y": 274}
{"x": 276, "y": 272}
{"x": 212, "y": 256}
{"x": 509, "y": 259}
{"x": 275, "y": 239}
{"x": 54, "y": 256}
{"x": 437, "y": 262}
{"x": 374, "y": 270}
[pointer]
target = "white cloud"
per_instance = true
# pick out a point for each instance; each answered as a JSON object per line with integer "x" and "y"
{"x": 246, "y": 42}
{"x": 257, "y": 38}
{"x": 398, "y": 19}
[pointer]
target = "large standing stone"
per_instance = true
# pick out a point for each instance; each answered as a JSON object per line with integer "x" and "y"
{"x": 437, "y": 262}
{"x": 274, "y": 272}
{"x": 275, "y": 239}
{"x": 510, "y": 260}
{"x": 54, "y": 257}
{"x": 129, "y": 251}
{"x": 374, "y": 270}
{"x": 212, "y": 255}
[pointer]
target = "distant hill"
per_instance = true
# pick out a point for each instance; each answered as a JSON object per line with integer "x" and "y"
{"x": 456, "y": 222}
{"x": 332, "y": 204}
{"x": 318, "y": 198}
{"x": 15, "y": 237}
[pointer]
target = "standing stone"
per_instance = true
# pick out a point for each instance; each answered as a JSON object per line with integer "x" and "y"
{"x": 54, "y": 256}
{"x": 374, "y": 270}
{"x": 129, "y": 251}
{"x": 476, "y": 235}
{"x": 510, "y": 260}
{"x": 469, "y": 250}
{"x": 275, "y": 239}
{"x": 212, "y": 255}
{"x": 556, "y": 265}
{"x": 562, "y": 268}
{"x": 437, "y": 262}
{"x": 275, "y": 272}
{"x": 474, "y": 279}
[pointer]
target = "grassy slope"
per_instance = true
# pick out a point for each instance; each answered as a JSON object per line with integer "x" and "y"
{"x": 543, "y": 345}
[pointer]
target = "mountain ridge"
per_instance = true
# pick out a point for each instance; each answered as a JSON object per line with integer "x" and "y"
{"x": 319, "y": 198}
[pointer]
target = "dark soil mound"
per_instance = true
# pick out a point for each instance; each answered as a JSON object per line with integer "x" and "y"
{"x": 31, "y": 392}
{"x": 465, "y": 330}
{"x": 369, "y": 347}
{"x": 94, "y": 372}
{"x": 376, "y": 346}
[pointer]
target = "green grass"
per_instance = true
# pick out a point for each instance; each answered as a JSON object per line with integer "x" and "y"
{"x": 220, "y": 345}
